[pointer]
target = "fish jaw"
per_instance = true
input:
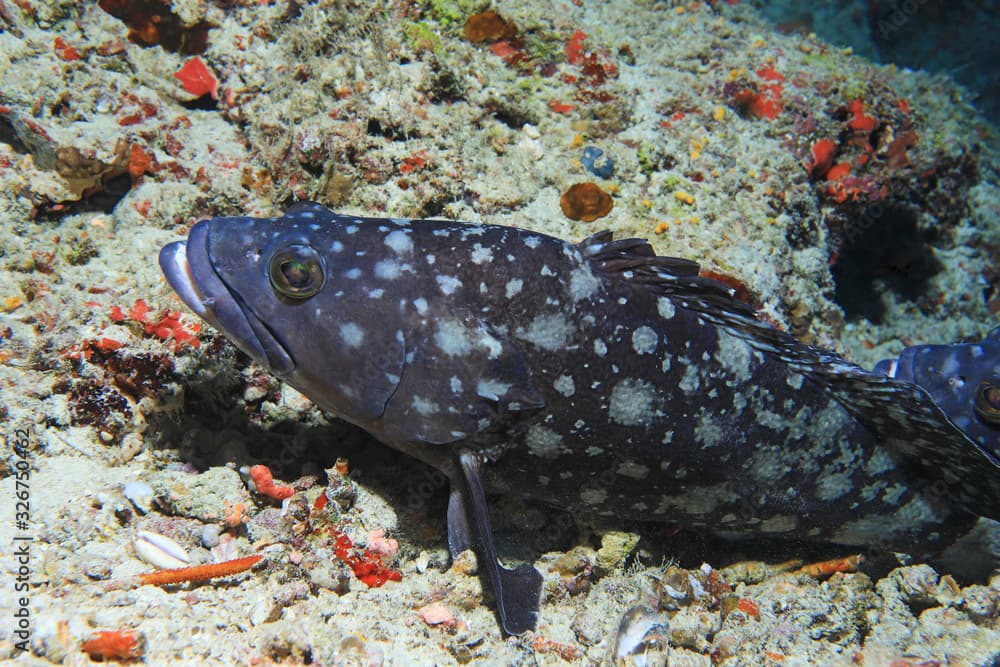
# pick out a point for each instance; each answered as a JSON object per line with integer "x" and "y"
{"x": 187, "y": 266}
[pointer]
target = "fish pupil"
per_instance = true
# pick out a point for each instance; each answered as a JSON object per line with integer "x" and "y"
{"x": 297, "y": 273}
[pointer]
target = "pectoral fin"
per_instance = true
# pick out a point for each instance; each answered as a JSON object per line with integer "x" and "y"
{"x": 518, "y": 591}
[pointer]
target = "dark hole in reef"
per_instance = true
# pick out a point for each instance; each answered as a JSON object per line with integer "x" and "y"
{"x": 509, "y": 116}
{"x": 882, "y": 252}
{"x": 103, "y": 199}
{"x": 376, "y": 128}
{"x": 151, "y": 23}
{"x": 203, "y": 103}
{"x": 434, "y": 207}
{"x": 8, "y": 135}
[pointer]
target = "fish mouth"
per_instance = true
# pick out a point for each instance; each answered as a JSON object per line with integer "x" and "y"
{"x": 187, "y": 266}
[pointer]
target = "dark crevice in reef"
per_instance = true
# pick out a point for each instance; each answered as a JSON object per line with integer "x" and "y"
{"x": 884, "y": 252}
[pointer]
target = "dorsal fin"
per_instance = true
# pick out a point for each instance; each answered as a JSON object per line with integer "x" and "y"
{"x": 904, "y": 415}
{"x": 671, "y": 276}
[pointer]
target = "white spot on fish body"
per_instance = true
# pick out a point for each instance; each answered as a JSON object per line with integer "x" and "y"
{"x": 351, "y": 334}
{"x": 600, "y": 348}
{"x": 543, "y": 442}
{"x": 779, "y": 524}
{"x": 492, "y": 344}
{"x": 633, "y": 402}
{"x": 644, "y": 340}
{"x": 352, "y": 274}
{"x": 593, "y": 497}
{"x": 430, "y": 259}
{"x": 513, "y": 287}
{"x": 532, "y": 241}
{"x": 593, "y": 451}
{"x": 492, "y": 389}
{"x": 633, "y": 469}
{"x": 351, "y": 229}
{"x": 564, "y": 385}
{"x": 880, "y": 462}
{"x": 448, "y": 284}
{"x": 549, "y": 332}
{"x": 833, "y": 484}
{"x": 451, "y": 338}
{"x": 425, "y": 406}
{"x": 546, "y": 271}
{"x": 691, "y": 380}
{"x": 481, "y": 255}
{"x": 622, "y": 301}
{"x": 708, "y": 432}
{"x": 456, "y": 385}
{"x": 399, "y": 241}
{"x": 420, "y": 303}
{"x": 376, "y": 293}
{"x": 336, "y": 246}
{"x": 582, "y": 283}
{"x": 894, "y": 494}
{"x": 387, "y": 269}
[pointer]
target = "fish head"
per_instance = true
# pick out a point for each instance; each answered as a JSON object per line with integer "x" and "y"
{"x": 963, "y": 380}
{"x": 287, "y": 291}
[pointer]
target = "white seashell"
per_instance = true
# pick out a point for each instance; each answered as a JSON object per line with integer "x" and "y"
{"x": 642, "y": 639}
{"x": 159, "y": 551}
{"x": 139, "y": 494}
{"x": 422, "y": 561}
{"x": 210, "y": 535}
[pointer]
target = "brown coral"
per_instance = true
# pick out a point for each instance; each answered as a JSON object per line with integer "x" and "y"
{"x": 586, "y": 202}
{"x": 488, "y": 26}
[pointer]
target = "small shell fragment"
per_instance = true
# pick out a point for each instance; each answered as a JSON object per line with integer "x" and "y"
{"x": 210, "y": 535}
{"x": 139, "y": 494}
{"x": 159, "y": 551}
{"x": 642, "y": 639}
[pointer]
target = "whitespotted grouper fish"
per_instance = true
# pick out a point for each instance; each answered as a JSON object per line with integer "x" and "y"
{"x": 599, "y": 378}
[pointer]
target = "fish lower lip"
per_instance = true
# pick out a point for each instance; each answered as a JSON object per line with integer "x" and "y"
{"x": 177, "y": 269}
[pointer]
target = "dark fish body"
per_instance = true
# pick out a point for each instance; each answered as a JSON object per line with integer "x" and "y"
{"x": 599, "y": 378}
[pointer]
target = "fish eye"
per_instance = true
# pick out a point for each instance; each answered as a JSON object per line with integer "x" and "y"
{"x": 987, "y": 402}
{"x": 297, "y": 272}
